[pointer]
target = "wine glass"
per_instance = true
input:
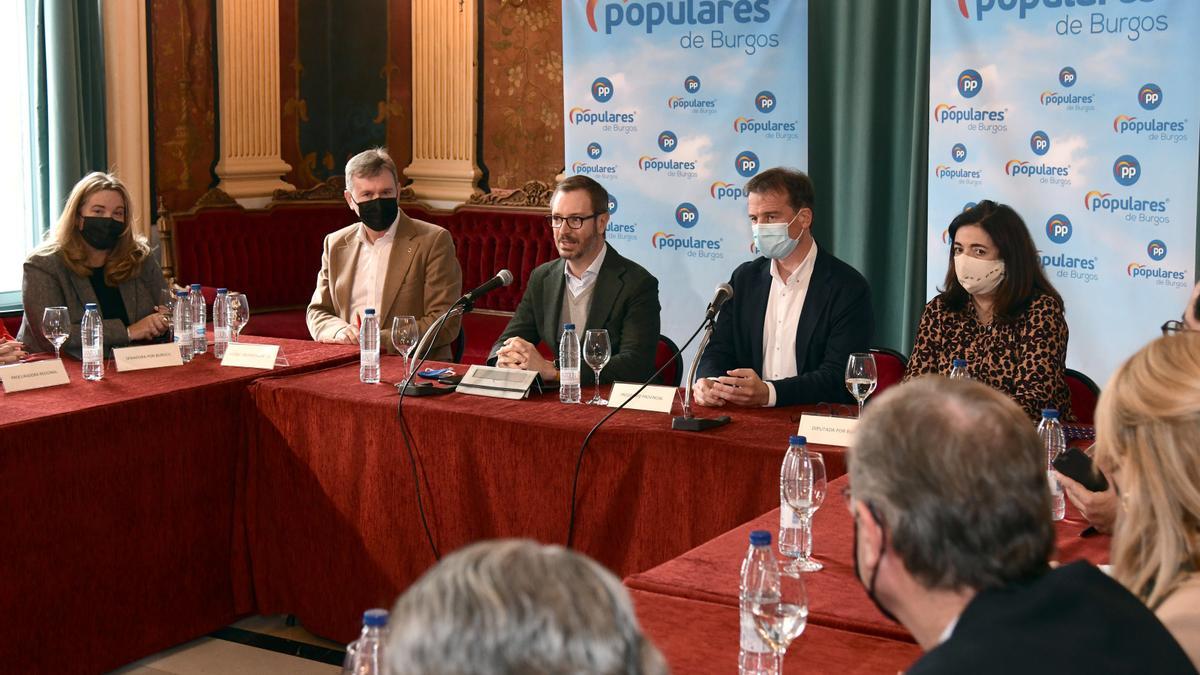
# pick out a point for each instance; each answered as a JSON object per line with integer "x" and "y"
{"x": 56, "y": 326}
{"x": 405, "y": 336}
{"x": 596, "y": 353}
{"x": 803, "y": 480}
{"x": 781, "y": 617}
{"x": 861, "y": 377}
{"x": 238, "y": 311}
{"x": 167, "y": 306}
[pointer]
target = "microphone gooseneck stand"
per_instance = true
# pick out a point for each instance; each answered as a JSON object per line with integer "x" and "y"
{"x": 687, "y": 422}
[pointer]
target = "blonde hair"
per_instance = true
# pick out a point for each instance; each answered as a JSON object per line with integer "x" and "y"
{"x": 1148, "y": 429}
{"x": 125, "y": 259}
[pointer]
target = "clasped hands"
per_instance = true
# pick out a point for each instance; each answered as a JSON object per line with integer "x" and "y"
{"x": 520, "y": 354}
{"x": 11, "y": 351}
{"x": 740, "y": 386}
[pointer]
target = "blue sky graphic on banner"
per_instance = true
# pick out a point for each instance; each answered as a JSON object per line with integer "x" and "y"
{"x": 672, "y": 105}
{"x": 1083, "y": 119}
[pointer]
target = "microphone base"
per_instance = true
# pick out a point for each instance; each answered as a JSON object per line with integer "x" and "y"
{"x": 698, "y": 423}
{"x": 424, "y": 389}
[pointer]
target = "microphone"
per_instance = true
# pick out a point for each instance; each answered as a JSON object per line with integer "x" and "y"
{"x": 502, "y": 278}
{"x": 723, "y": 294}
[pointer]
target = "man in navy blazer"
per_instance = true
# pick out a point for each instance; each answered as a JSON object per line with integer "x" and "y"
{"x": 797, "y": 312}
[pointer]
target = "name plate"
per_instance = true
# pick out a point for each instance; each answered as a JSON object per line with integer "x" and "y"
{"x": 497, "y": 382}
{"x": 241, "y": 355}
{"x": 654, "y": 398}
{"x": 148, "y": 356}
{"x": 24, "y": 376}
{"x": 828, "y": 430}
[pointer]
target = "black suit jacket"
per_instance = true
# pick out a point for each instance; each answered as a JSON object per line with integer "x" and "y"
{"x": 1074, "y": 619}
{"x": 625, "y": 302}
{"x": 836, "y": 321}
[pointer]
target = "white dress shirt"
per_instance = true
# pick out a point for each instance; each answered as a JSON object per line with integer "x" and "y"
{"x": 784, "y": 304}
{"x": 578, "y": 285}
{"x": 370, "y": 272}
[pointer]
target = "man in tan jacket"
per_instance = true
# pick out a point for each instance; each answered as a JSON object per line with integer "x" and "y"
{"x": 387, "y": 261}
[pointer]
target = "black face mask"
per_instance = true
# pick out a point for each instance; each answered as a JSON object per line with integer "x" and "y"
{"x": 870, "y": 587}
{"x": 378, "y": 214}
{"x": 102, "y": 234}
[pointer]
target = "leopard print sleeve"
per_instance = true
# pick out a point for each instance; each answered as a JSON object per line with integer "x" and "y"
{"x": 1041, "y": 360}
{"x": 927, "y": 343}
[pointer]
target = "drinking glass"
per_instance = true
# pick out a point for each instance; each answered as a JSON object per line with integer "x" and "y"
{"x": 803, "y": 478}
{"x": 166, "y": 304}
{"x": 238, "y": 312}
{"x": 405, "y": 336}
{"x": 861, "y": 377}
{"x": 596, "y": 353}
{"x": 56, "y": 326}
{"x": 781, "y": 618}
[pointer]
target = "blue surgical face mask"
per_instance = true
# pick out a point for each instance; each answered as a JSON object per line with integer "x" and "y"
{"x": 772, "y": 240}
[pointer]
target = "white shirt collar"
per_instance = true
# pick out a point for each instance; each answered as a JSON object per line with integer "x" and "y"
{"x": 805, "y": 266}
{"x": 388, "y": 234}
{"x": 949, "y": 630}
{"x": 580, "y": 284}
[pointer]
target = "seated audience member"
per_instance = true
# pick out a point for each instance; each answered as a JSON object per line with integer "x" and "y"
{"x": 1191, "y": 316}
{"x": 389, "y": 262}
{"x": 998, "y": 311}
{"x": 92, "y": 255}
{"x": 953, "y": 539}
{"x": 1148, "y": 432}
{"x": 511, "y": 607}
{"x": 797, "y": 312}
{"x": 11, "y": 351}
{"x": 591, "y": 286}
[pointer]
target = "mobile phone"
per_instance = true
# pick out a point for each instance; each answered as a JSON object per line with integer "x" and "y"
{"x": 1076, "y": 465}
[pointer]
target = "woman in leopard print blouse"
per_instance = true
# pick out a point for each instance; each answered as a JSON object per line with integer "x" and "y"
{"x": 999, "y": 312}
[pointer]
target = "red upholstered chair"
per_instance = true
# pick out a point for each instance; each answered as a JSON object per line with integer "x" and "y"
{"x": 889, "y": 365}
{"x": 9, "y": 326}
{"x": 1084, "y": 395}
{"x": 667, "y": 349}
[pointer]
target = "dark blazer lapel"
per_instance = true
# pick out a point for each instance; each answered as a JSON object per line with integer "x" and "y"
{"x": 756, "y": 313}
{"x": 814, "y": 303}
{"x": 609, "y": 283}
{"x": 552, "y": 297}
{"x": 83, "y": 289}
{"x": 130, "y": 290}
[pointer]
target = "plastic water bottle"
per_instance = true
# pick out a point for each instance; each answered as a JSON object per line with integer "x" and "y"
{"x": 199, "y": 339}
{"x": 364, "y": 656}
{"x": 1055, "y": 441}
{"x": 760, "y": 582}
{"x": 791, "y": 541}
{"x": 568, "y": 365}
{"x": 92, "y": 335}
{"x": 183, "y": 325}
{"x": 958, "y": 369}
{"x": 368, "y": 348}
{"x": 220, "y": 322}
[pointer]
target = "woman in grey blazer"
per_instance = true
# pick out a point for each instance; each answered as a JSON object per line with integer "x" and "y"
{"x": 92, "y": 255}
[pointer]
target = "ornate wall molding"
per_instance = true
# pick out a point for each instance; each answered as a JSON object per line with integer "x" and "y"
{"x": 533, "y": 194}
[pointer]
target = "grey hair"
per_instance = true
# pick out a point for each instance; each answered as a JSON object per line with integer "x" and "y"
{"x": 370, "y": 163}
{"x": 515, "y": 606}
{"x": 957, "y": 474}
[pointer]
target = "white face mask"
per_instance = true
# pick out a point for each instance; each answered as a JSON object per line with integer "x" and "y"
{"x": 978, "y": 277}
{"x": 772, "y": 240}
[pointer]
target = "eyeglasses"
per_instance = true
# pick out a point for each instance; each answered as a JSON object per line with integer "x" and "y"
{"x": 574, "y": 222}
{"x": 1173, "y": 327}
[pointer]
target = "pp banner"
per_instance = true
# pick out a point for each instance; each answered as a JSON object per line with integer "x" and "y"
{"x": 1082, "y": 116}
{"x": 673, "y": 105}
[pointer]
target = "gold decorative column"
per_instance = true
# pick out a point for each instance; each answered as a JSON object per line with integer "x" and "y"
{"x": 249, "y": 163}
{"x": 445, "y": 44}
{"x": 126, "y": 100}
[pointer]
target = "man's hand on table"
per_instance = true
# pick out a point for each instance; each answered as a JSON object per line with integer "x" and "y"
{"x": 740, "y": 386}
{"x": 520, "y": 354}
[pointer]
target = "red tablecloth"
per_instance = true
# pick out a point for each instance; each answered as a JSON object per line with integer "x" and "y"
{"x": 836, "y": 599}
{"x": 702, "y": 637}
{"x": 120, "y": 536}
{"x": 333, "y": 519}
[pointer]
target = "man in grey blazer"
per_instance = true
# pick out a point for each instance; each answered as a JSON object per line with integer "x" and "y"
{"x": 590, "y": 285}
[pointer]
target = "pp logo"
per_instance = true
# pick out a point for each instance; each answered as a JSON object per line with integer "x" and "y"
{"x": 746, "y": 164}
{"x": 602, "y": 89}
{"x": 612, "y": 204}
{"x": 1066, "y": 77}
{"x": 1150, "y": 96}
{"x": 970, "y": 82}
{"x": 594, "y": 150}
{"x": 667, "y": 141}
{"x": 1039, "y": 142}
{"x": 686, "y": 215}
{"x": 959, "y": 152}
{"x": 765, "y": 102}
{"x": 1127, "y": 170}
{"x": 692, "y": 84}
{"x": 1157, "y": 250}
{"x": 1058, "y": 228}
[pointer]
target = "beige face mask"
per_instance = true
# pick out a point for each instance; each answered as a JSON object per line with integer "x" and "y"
{"x": 978, "y": 277}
